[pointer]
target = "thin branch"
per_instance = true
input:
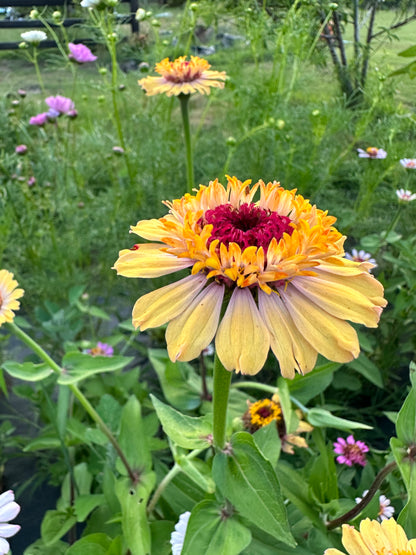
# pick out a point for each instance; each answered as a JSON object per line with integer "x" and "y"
{"x": 365, "y": 500}
{"x": 338, "y": 34}
{"x": 395, "y": 26}
{"x": 367, "y": 44}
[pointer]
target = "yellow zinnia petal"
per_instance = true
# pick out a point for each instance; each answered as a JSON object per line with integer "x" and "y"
{"x": 353, "y": 541}
{"x": 242, "y": 341}
{"x": 151, "y": 230}
{"x": 149, "y": 261}
{"x": 194, "y": 329}
{"x": 395, "y": 534}
{"x": 160, "y": 306}
{"x": 335, "y": 339}
{"x": 290, "y": 348}
{"x": 332, "y": 551}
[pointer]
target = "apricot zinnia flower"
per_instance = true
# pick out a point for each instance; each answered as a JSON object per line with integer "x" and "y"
{"x": 375, "y": 538}
{"x": 279, "y": 265}
{"x": 183, "y": 77}
{"x": 8, "y": 296}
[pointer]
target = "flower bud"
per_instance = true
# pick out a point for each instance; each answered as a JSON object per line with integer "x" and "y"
{"x": 140, "y": 14}
{"x": 231, "y": 141}
{"x": 34, "y": 14}
{"x": 193, "y": 7}
{"x": 281, "y": 123}
{"x": 103, "y": 71}
{"x": 155, "y": 23}
{"x": 57, "y": 16}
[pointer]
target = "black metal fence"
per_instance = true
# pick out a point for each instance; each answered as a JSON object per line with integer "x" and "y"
{"x": 7, "y": 21}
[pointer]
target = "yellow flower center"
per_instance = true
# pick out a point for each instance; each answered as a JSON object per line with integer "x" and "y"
{"x": 263, "y": 412}
{"x": 372, "y": 151}
{"x": 182, "y": 70}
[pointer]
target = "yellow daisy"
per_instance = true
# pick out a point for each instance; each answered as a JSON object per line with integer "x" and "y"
{"x": 278, "y": 266}
{"x": 375, "y": 538}
{"x": 8, "y": 296}
{"x": 183, "y": 76}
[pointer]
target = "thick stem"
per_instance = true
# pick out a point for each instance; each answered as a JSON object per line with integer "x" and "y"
{"x": 222, "y": 381}
{"x": 37, "y": 349}
{"x": 365, "y": 500}
{"x": 184, "y": 101}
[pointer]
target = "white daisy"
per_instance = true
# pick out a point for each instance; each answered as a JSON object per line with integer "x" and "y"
{"x": 178, "y": 536}
{"x": 9, "y": 509}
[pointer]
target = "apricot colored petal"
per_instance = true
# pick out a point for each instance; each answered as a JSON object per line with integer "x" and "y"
{"x": 290, "y": 348}
{"x": 354, "y": 542}
{"x": 149, "y": 261}
{"x": 242, "y": 340}
{"x": 339, "y": 300}
{"x": 193, "y": 330}
{"x": 159, "y": 306}
{"x": 335, "y": 339}
{"x": 151, "y": 230}
{"x": 395, "y": 534}
{"x": 332, "y": 551}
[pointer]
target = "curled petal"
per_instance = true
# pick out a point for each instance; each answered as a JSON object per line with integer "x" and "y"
{"x": 159, "y": 306}
{"x": 290, "y": 347}
{"x": 194, "y": 329}
{"x": 242, "y": 340}
{"x": 149, "y": 261}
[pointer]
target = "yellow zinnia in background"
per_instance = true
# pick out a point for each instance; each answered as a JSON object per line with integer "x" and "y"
{"x": 183, "y": 76}
{"x": 375, "y": 538}
{"x": 8, "y": 296}
{"x": 278, "y": 264}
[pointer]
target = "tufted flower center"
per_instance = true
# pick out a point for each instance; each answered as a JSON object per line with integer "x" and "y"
{"x": 247, "y": 226}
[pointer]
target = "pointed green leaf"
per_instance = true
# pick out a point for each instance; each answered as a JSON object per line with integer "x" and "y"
{"x": 248, "y": 480}
{"x": 56, "y": 524}
{"x": 268, "y": 441}
{"x": 306, "y": 387}
{"x": 93, "y": 544}
{"x": 186, "y": 431}
{"x": 28, "y": 371}
{"x": 323, "y": 418}
{"x": 406, "y": 419}
{"x": 408, "y": 52}
{"x": 85, "y": 504}
{"x": 368, "y": 369}
{"x": 161, "y": 531}
{"x": 133, "y": 439}
{"x": 79, "y": 366}
{"x": 211, "y": 531}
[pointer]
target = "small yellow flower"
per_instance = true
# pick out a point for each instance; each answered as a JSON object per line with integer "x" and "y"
{"x": 375, "y": 538}
{"x": 183, "y": 77}
{"x": 279, "y": 266}
{"x": 8, "y": 296}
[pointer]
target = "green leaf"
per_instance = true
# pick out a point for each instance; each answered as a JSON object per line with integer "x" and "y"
{"x": 368, "y": 369}
{"x": 306, "y": 387}
{"x": 39, "y": 548}
{"x": 79, "y": 366}
{"x": 85, "y": 504}
{"x": 322, "y": 418}
{"x": 28, "y": 371}
{"x": 180, "y": 494}
{"x": 133, "y": 440}
{"x": 212, "y": 531}
{"x": 133, "y": 501}
{"x": 186, "y": 431}
{"x": 248, "y": 480}
{"x": 180, "y": 384}
{"x": 56, "y": 524}
{"x": 42, "y": 443}
{"x": 198, "y": 471}
{"x": 3, "y": 386}
{"x": 268, "y": 441}
{"x": 323, "y": 475}
{"x": 161, "y": 531}
{"x": 406, "y": 419}
{"x": 408, "y": 52}
{"x": 93, "y": 544}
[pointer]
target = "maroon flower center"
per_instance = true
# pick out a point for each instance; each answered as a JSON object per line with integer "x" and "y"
{"x": 247, "y": 225}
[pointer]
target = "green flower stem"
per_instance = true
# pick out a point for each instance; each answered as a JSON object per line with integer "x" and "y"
{"x": 37, "y": 349}
{"x": 184, "y": 100}
{"x": 221, "y": 389}
{"x": 176, "y": 468}
{"x": 37, "y": 69}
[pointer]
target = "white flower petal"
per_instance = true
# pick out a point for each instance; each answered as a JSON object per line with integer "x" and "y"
{"x": 8, "y": 530}
{"x": 9, "y": 511}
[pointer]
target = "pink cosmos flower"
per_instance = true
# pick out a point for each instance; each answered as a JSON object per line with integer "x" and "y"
{"x": 408, "y": 163}
{"x": 102, "y": 349}
{"x": 9, "y": 509}
{"x": 21, "y": 149}
{"x": 405, "y": 195}
{"x": 80, "y": 53}
{"x": 39, "y": 119}
{"x": 386, "y": 510}
{"x": 59, "y": 105}
{"x": 31, "y": 181}
{"x": 371, "y": 152}
{"x": 360, "y": 256}
{"x": 350, "y": 451}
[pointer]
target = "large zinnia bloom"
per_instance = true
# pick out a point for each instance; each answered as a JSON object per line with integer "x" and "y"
{"x": 278, "y": 264}
{"x": 375, "y": 538}
{"x": 183, "y": 76}
{"x": 8, "y": 296}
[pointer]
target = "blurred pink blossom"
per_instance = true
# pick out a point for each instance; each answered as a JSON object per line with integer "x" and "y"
{"x": 21, "y": 149}
{"x": 408, "y": 163}
{"x": 405, "y": 195}
{"x": 80, "y": 53}
{"x": 31, "y": 181}
{"x": 371, "y": 152}
{"x": 350, "y": 451}
{"x": 102, "y": 349}
{"x": 59, "y": 105}
{"x": 39, "y": 119}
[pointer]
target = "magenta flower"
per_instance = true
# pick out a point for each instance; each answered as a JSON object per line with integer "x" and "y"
{"x": 102, "y": 349}
{"x": 350, "y": 451}
{"x": 39, "y": 119}
{"x": 21, "y": 149}
{"x": 80, "y": 53}
{"x": 59, "y": 105}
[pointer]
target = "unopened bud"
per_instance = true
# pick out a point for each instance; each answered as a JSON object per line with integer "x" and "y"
{"x": 231, "y": 141}
{"x": 140, "y": 14}
{"x": 34, "y": 14}
{"x": 281, "y": 123}
{"x": 103, "y": 71}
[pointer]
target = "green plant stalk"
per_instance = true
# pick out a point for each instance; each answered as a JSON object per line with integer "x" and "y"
{"x": 37, "y": 349}
{"x": 391, "y": 227}
{"x": 184, "y": 101}
{"x": 221, "y": 389}
{"x": 34, "y": 59}
{"x": 176, "y": 468}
